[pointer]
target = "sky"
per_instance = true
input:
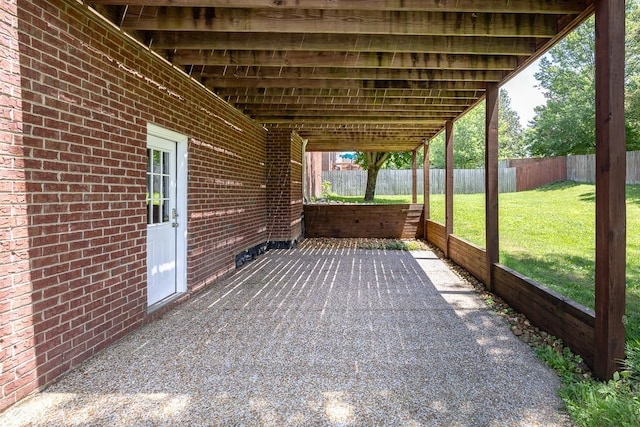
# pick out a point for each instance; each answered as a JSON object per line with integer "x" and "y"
{"x": 523, "y": 93}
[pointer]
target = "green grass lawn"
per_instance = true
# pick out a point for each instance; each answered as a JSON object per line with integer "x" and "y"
{"x": 547, "y": 234}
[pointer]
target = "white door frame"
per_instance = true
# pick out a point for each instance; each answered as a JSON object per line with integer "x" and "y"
{"x": 181, "y": 200}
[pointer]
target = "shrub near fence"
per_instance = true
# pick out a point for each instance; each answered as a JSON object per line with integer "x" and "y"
{"x": 392, "y": 182}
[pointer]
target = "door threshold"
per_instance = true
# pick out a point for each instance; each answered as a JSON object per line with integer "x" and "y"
{"x": 164, "y": 302}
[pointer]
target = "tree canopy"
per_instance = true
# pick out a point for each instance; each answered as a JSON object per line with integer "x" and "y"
{"x": 469, "y": 136}
{"x": 565, "y": 124}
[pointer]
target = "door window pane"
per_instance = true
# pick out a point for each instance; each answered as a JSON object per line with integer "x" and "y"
{"x": 158, "y": 186}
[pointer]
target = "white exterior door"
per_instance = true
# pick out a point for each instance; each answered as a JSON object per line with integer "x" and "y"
{"x": 163, "y": 219}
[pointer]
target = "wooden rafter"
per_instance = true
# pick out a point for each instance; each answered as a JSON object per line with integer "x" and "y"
{"x": 497, "y": 6}
{"x": 341, "y": 22}
{"x": 347, "y": 73}
{"x": 455, "y": 45}
{"x": 381, "y": 60}
{"x": 324, "y": 66}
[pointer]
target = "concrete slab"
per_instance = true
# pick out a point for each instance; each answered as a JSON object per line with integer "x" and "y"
{"x": 313, "y": 337}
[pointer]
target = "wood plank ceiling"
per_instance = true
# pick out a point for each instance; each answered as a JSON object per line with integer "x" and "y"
{"x": 370, "y": 75}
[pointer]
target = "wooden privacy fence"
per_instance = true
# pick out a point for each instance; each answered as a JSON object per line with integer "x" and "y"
{"x": 391, "y": 182}
{"x": 514, "y": 175}
{"x": 583, "y": 168}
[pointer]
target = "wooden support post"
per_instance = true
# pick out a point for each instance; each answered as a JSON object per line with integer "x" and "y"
{"x": 491, "y": 180}
{"x": 448, "y": 184}
{"x": 610, "y": 187}
{"x": 414, "y": 177}
{"x": 426, "y": 183}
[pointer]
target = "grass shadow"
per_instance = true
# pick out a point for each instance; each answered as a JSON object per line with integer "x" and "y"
{"x": 633, "y": 194}
{"x": 570, "y": 275}
{"x": 561, "y": 185}
{"x": 589, "y": 196}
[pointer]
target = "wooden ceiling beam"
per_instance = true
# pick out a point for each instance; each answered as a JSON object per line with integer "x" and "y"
{"x": 327, "y": 92}
{"x": 284, "y": 109}
{"x": 264, "y": 58}
{"x": 216, "y": 84}
{"x": 352, "y": 120}
{"x": 364, "y": 144}
{"x": 362, "y": 101}
{"x": 224, "y": 72}
{"x": 337, "y": 134}
{"x": 172, "y": 40}
{"x": 389, "y": 126}
{"x": 331, "y": 115}
{"x": 340, "y": 22}
{"x": 513, "y": 6}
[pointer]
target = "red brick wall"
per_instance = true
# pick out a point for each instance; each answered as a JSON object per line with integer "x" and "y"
{"x": 284, "y": 185}
{"x": 17, "y": 358}
{"x": 72, "y": 214}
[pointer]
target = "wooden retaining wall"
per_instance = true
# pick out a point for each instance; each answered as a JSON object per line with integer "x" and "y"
{"x": 366, "y": 221}
{"x": 545, "y": 308}
{"x": 548, "y": 310}
{"x": 436, "y": 235}
{"x": 469, "y": 256}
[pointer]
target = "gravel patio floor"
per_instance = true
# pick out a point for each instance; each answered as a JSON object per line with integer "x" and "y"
{"x": 313, "y": 337}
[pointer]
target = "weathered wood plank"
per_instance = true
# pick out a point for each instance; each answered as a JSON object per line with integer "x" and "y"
{"x": 355, "y": 21}
{"x": 496, "y": 6}
{"x": 462, "y": 87}
{"x": 246, "y": 73}
{"x": 355, "y": 120}
{"x": 375, "y": 91}
{"x": 364, "y": 60}
{"x": 304, "y": 113}
{"x": 337, "y": 108}
{"x": 373, "y": 101}
{"x": 346, "y": 43}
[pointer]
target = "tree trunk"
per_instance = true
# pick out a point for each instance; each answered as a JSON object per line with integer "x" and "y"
{"x": 374, "y": 163}
{"x": 372, "y": 178}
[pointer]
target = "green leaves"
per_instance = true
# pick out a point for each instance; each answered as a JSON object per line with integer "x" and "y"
{"x": 469, "y": 137}
{"x": 566, "y": 123}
